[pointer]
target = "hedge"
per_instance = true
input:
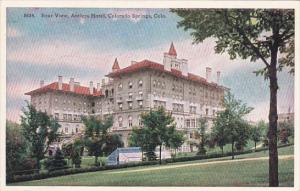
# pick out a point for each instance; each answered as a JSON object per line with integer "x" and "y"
{"x": 43, "y": 175}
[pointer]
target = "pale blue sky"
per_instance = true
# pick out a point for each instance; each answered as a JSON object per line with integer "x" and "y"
{"x": 43, "y": 48}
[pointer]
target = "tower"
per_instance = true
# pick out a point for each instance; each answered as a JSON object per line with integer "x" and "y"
{"x": 171, "y": 61}
{"x": 115, "y": 66}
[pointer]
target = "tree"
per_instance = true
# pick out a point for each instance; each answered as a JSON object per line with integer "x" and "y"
{"x": 229, "y": 125}
{"x": 113, "y": 141}
{"x": 257, "y": 132}
{"x": 158, "y": 122}
{"x": 202, "y": 136}
{"x": 218, "y": 135}
{"x": 244, "y": 134}
{"x": 16, "y": 148}
{"x": 258, "y": 34}
{"x": 39, "y": 130}
{"x": 57, "y": 162}
{"x": 142, "y": 138}
{"x": 74, "y": 151}
{"x": 176, "y": 139}
{"x": 97, "y": 136}
{"x": 285, "y": 130}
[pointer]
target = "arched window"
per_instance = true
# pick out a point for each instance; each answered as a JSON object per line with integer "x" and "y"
{"x": 120, "y": 120}
{"x": 130, "y": 121}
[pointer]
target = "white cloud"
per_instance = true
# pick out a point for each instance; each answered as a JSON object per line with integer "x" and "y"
{"x": 78, "y": 55}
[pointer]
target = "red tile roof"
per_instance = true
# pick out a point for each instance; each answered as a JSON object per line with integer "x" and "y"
{"x": 147, "y": 64}
{"x": 116, "y": 65}
{"x": 81, "y": 90}
{"x": 172, "y": 50}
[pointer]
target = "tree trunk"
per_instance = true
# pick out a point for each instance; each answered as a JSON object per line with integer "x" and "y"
{"x": 38, "y": 164}
{"x": 222, "y": 150}
{"x": 254, "y": 145}
{"x": 96, "y": 160}
{"x": 232, "y": 150}
{"x": 159, "y": 154}
{"x": 272, "y": 135}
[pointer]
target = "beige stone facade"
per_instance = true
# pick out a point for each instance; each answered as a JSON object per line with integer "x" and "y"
{"x": 127, "y": 92}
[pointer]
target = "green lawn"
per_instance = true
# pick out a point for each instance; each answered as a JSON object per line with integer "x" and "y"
{"x": 240, "y": 173}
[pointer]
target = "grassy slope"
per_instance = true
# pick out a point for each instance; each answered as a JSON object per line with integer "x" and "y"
{"x": 247, "y": 173}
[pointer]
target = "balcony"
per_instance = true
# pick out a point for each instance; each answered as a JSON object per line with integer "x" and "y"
{"x": 129, "y": 99}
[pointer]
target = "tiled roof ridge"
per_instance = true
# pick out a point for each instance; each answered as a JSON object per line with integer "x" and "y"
{"x": 78, "y": 89}
{"x": 157, "y": 66}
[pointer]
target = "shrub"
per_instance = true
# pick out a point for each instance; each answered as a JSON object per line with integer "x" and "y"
{"x": 56, "y": 162}
{"x": 54, "y": 173}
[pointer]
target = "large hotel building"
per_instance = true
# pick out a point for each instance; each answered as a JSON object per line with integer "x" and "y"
{"x": 129, "y": 91}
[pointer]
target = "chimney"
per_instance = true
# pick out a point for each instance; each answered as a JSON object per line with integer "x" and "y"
{"x": 98, "y": 87}
{"x": 71, "y": 83}
{"x": 42, "y": 83}
{"x": 91, "y": 87}
{"x": 218, "y": 77}
{"x": 208, "y": 74}
{"x": 60, "y": 83}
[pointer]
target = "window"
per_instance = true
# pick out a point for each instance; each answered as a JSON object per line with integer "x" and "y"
{"x": 66, "y": 129}
{"x": 65, "y": 116}
{"x": 120, "y": 120}
{"x": 140, "y": 83}
{"x": 193, "y": 123}
{"x": 76, "y": 130}
{"x": 188, "y": 123}
{"x": 193, "y": 109}
{"x": 130, "y": 85}
{"x": 214, "y": 112}
{"x": 140, "y": 121}
{"x": 120, "y": 86}
{"x": 129, "y": 121}
{"x": 130, "y": 105}
{"x": 120, "y": 106}
{"x": 154, "y": 83}
{"x": 141, "y": 104}
{"x": 75, "y": 117}
{"x": 56, "y": 116}
{"x": 93, "y": 104}
{"x": 177, "y": 107}
{"x": 130, "y": 96}
{"x": 70, "y": 117}
{"x": 140, "y": 93}
{"x": 55, "y": 99}
{"x": 206, "y": 111}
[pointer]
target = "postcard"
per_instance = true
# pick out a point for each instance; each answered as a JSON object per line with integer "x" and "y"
{"x": 139, "y": 96}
